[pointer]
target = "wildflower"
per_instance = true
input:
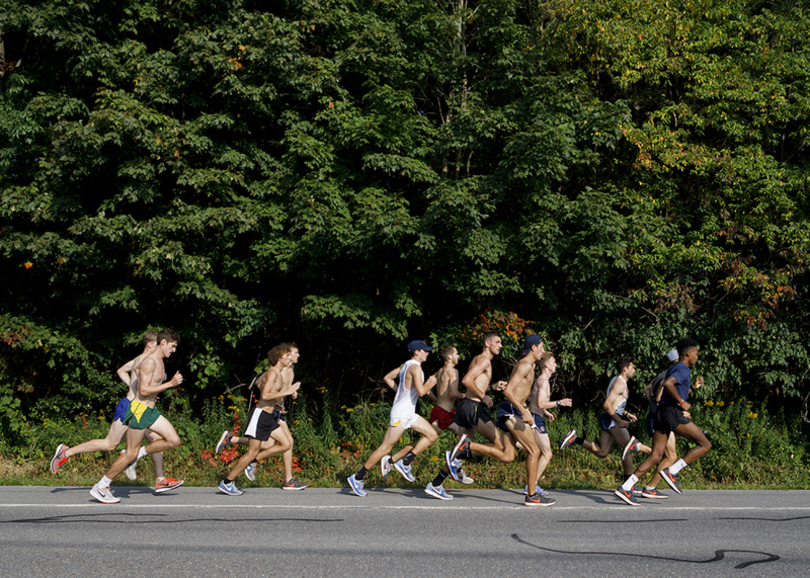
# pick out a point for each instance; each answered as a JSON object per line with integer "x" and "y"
{"x": 752, "y": 415}
{"x": 434, "y": 458}
{"x": 28, "y": 264}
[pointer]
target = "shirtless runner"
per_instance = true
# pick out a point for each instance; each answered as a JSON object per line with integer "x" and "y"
{"x": 129, "y": 375}
{"x": 142, "y": 414}
{"x": 516, "y": 420}
{"x": 472, "y": 414}
{"x": 280, "y": 415}
{"x": 539, "y": 403}
{"x": 262, "y": 425}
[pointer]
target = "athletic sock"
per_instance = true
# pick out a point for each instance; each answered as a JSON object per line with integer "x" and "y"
{"x": 409, "y": 457}
{"x": 104, "y": 483}
{"x": 579, "y": 440}
{"x": 629, "y": 483}
{"x": 141, "y": 453}
{"x": 439, "y": 480}
{"x": 677, "y": 467}
{"x": 649, "y": 488}
{"x": 361, "y": 473}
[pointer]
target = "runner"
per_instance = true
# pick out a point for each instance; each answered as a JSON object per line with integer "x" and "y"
{"x": 129, "y": 375}
{"x": 539, "y": 403}
{"x": 441, "y": 416}
{"x": 403, "y": 416}
{"x": 515, "y": 419}
{"x": 614, "y": 420}
{"x": 141, "y": 414}
{"x": 670, "y": 417}
{"x": 279, "y": 413}
{"x": 262, "y": 425}
{"x": 653, "y": 393}
{"x": 472, "y": 414}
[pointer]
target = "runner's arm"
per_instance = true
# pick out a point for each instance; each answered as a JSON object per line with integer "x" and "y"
{"x": 124, "y": 372}
{"x": 391, "y": 376}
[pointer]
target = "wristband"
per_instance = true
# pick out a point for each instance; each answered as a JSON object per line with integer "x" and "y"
{"x": 680, "y": 403}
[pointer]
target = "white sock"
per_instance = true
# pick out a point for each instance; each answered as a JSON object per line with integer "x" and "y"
{"x": 141, "y": 453}
{"x": 104, "y": 483}
{"x": 631, "y": 481}
{"x": 677, "y": 467}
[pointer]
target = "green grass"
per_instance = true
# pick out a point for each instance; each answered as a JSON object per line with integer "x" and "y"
{"x": 751, "y": 450}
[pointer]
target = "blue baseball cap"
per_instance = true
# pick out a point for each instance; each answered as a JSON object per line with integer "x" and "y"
{"x": 415, "y": 346}
{"x": 530, "y": 342}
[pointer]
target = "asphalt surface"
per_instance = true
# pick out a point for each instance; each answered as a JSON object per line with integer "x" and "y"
{"x": 62, "y": 531}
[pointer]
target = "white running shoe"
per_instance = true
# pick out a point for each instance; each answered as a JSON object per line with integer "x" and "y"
{"x": 386, "y": 466}
{"x": 437, "y": 492}
{"x": 104, "y": 496}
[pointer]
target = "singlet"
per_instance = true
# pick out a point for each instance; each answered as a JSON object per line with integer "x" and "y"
{"x": 405, "y": 400}
{"x": 619, "y": 409}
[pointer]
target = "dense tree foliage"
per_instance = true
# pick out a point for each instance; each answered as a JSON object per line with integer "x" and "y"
{"x": 351, "y": 174}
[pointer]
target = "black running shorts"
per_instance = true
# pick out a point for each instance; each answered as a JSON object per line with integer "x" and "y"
{"x": 667, "y": 418}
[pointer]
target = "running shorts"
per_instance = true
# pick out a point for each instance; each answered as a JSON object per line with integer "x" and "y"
{"x": 444, "y": 417}
{"x": 260, "y": 424}
{"x": 469, "y": 412}
{"x": 539, "y": 423}
{"x": 121, "y": 410}
{"x": 140, "y": 416}
{"x": 667, "y": 418}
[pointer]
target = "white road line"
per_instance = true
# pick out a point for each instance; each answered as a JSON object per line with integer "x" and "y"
{"x": 438, "y": 505}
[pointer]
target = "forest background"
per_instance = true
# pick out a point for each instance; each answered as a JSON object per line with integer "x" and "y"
{"x": 351, "y": 175}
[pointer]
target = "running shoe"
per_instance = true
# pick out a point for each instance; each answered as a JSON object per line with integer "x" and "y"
{"x": 404, "y": 470}
{"x": 224, "y": 440}
{"x": 293, "y": 484}
{"x": 130, "y": 471}
{"x": 167, "y": 484}
{"x": 632, "y": 447}
{"x": 386, "y": 466}
{"x": 104, "y": 496}
{"x": 230, "y": 488}
{"x": 465, "y": 479}
{"x": 570, "y": 438}
{"x": 628, "y": 497}
{"x": 250, "y": 471}
{"x": 539, "y": 490}
{"x": 538, "y": 500}
{"x": 636, "y": 491}
{"x": 671, "y": 480}
{"x": 59, "y": 458}
{"x": 357, "y": 486}
{"x": 437, "y": 492}
{"x": 462, "y": 445}
{"x": 453, "y": 466}
{"x": 653, "y": 494}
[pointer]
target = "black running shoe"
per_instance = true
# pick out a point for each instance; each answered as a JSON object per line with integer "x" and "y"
{"x": 671, "y": 480}
{"x": 628, "y": 497}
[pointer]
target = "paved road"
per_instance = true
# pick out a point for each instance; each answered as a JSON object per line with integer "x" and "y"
{"x": 61, "y": 531}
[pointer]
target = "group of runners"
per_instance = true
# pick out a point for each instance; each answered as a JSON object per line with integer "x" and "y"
{"x": 520, "y": 420}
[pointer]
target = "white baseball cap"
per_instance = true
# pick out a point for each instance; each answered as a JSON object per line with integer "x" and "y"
{"x": 673, "y": 355}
